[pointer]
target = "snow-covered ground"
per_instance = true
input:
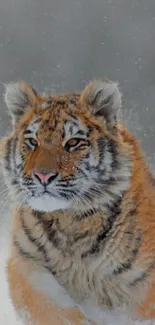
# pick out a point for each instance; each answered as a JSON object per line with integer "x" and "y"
{"x": 7, "y": 314}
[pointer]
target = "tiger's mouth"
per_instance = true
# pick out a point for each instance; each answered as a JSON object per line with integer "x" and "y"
{"x": 44, "y": 193}
{"x": 62, "y": 190}
{"x": 56, "y": 192}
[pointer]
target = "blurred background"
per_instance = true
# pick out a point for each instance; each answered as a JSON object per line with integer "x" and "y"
{"x": 59, "y": 45}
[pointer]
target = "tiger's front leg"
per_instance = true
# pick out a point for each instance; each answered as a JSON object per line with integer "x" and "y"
{"x": 38, "y": 298}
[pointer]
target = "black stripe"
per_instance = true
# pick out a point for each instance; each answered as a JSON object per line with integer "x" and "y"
{"x": 66, "y": 179}
{"x": 73, "y": 116}
{"x": 101, "y": 148}
{"x": 80, "y": 147}
{"x": 90, "y": 130}
{"x": 25, "y": 102}
{"x": 63, "y": 132}
{"x": 86, "y": 214}
{"x": 14, "y": 181}
{"x": 92, "y": 192}
{"x": 71, "y": 129}
{"x": 87, "y": 165}
{"x": 143, "y": 275}
{"x": 94, "y": 99}
{"x": 115, "y": 210}
{"x": 17, "y": 167}
{"x": 66, "y": 195}
{"x": 21, "y": 250}
{"x": 14, "y": 145}
{"x": 80, "y": 132}
{"x": 38, "y": 215}
{"x": 108, "y": 100}
{"x": 113, "y": 151}
{"x": 37, "y": 120}
{"x": 34, "y": 240}
{"x": 88, "y": 196}
{"x": 80, "y": 236}
{"x": 53, "y": 238}
{"x": 34, "y": 91}
{"x": 110, "y": 181}
{"x": 60, "y": 102}
{"x": 48, "y": 228}
{"x": 106, "y": 299}
{"x": 72, "y": 101}
{"x": 51, "y": 270}
{"x": 127, "y": 265}
{"x": 52, "y": 230}
{"x": 8, "y": 154}
{"x": 65, "y": 184}
{"x": 52, "y": 233}
{"x": 28, "y": 132}
{"x": 80, "y": 171}
{"x": 139, "y": 279}
{"x": 101, "y": 144}
{"x": 49, "y": 102}
{"x": 122, "y": 268}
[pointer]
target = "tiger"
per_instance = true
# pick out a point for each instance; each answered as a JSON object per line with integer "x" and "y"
{"x": 83, "y": 221}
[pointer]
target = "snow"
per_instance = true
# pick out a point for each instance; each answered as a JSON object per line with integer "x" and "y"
{"x": 7, "y": 314}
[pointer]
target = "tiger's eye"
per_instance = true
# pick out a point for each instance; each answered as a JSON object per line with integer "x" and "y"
{"x": 73, "y": 142}
{"x": 49, "y": 102}
{"x": 33, "y": 142}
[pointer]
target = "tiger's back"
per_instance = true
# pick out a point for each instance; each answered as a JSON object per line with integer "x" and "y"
{"x": 88, "y": 197}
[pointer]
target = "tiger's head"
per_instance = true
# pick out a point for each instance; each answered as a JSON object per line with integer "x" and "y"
{"x": 65, "y": 151}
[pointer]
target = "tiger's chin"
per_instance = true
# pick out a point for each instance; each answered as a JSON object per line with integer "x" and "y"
{"x": 48, "y": 203}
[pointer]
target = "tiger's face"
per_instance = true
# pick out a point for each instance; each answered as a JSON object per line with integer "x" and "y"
{"x": 65, "y": 150}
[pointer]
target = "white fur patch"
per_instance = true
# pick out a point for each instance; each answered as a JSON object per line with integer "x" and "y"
{"x": 46, "y": 283}
{"x": 47, "y": 203}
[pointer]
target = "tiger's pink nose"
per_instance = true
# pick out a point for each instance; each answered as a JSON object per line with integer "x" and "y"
{"x": 45, "y": 178}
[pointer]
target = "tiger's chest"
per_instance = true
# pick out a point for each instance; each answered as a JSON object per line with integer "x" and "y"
{"x": 84, "y": 269}
{"x": 92, "y": 279}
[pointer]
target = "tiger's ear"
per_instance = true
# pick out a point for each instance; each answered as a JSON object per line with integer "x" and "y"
{"x": 104, "y": 99}
{"x": 19, "y": 96}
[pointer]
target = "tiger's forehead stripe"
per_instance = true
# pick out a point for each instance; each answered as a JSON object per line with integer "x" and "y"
{"x": 74, "y": 127}
{"x": 50, "y": 122}
{"x": 34, "y": 124}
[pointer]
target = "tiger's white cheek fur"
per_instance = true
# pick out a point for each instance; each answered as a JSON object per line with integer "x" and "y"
{"x": 47, "y": 203}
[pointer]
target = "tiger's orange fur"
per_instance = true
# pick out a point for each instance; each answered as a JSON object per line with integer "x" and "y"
{"x": 92, "y": 234}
